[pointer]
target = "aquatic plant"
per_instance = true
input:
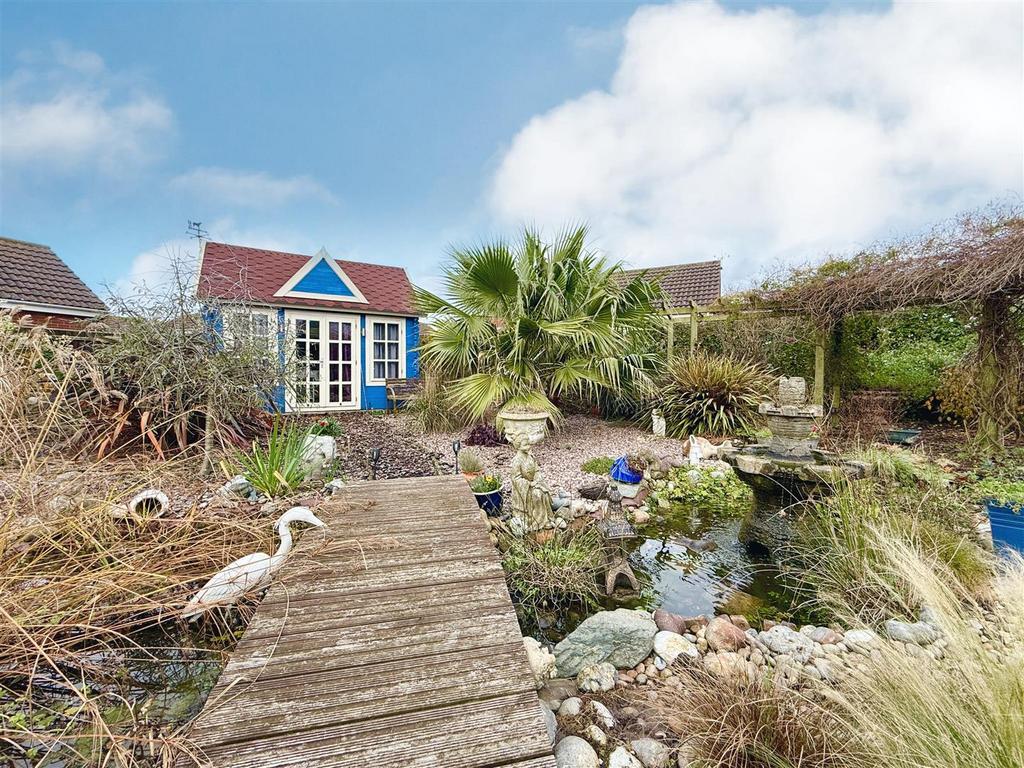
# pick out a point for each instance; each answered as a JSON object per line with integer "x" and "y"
{"x": 704, "y": 486}
{"x": 278, "y": 467}
{"x": 708, "y": 394}
{"x": 556, "y": 572}
{"x": 899, "y": 466}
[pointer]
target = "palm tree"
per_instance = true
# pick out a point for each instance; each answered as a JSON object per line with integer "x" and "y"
{"x": 528, "y": 324}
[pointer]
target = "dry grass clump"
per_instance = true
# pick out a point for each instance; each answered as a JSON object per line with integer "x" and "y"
{"x": 836, "y": 555}
{"x": 75, "y": 590}
{"x": 966, "y": 711}
{"x": 754, "y": 723}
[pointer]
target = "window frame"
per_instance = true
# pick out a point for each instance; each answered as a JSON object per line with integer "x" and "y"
{"x": 371, "y": 360}
{"x": 230, "y": 317}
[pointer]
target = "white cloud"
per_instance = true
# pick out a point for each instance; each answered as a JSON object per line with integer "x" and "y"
{"x": 251, "y": 189}
{"x": 767, "y": 135}
{"x": 155, "y": 270}
{"x": 66, "y": 110}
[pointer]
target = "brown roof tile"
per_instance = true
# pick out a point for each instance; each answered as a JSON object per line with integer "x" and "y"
{"x": 237, "y": 273}
{"x": 699, "y": 282}
{"x": 34, "y": 274}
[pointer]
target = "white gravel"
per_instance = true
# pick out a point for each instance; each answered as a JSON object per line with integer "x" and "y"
{"x": 564, "y": 450}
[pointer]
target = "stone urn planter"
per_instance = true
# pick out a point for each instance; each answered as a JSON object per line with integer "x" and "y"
{"x": 519, "y": 425}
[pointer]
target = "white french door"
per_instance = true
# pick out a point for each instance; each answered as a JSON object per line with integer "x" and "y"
{"x": 324, "y": 361}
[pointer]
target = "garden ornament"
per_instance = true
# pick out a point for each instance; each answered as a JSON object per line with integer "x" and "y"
{"x": 694, "y": 455}
{"x": 249, "y": 572}
{"x": 657, "y": 423}
{"x": 531, "y": 497}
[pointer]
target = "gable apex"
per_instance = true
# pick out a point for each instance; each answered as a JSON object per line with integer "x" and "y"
{"x": 321, "y": 277}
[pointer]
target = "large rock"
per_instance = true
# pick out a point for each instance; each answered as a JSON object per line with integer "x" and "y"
{"x": 861, "y": 641}
{"x": 723, "y": 635}
{"x": 574, "y": 752}
{"x": 653, "y": 754}
{"x": 918, "y": 633}
{"x": 669, "y": 646}
{"x": 783, "y": 640}
{"x": 542, "y": 661}
{"x": 621, "y": 637}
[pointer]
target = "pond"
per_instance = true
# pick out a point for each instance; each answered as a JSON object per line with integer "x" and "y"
{"x": 693, "y": 561}
{"x": 165, "y": 674}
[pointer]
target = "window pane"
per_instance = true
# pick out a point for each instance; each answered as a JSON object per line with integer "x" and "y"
{"x": 260, "y": 326}
{"x": 346, "y": 392}
{"x": 392, "y": 370}
{"x": 333, "y": 371}
{"x": 346, "y": 331}
{"x": 346, "y": 373}
{"x": 332, "y": 330}
{"x": 392, "y": 331}
{"x": 314, "y": 329}
{"x": 378, "y": 370}
{"x": 392, "y": 350}
{"x": 300, "y": 393}
{"x": 333, "y": 348}
{"x": 314, "y": 350}
{"x": 300, "y": 350}
{"x": 346, "y": 352}
{"x": 334, "y": 393}
{"x": 314, "y": 371}
{"x": 378, "y": 331}
{"x": 300, "y": 329}
{"x": 378, "y": 350}
{"x": 314, "y": 393}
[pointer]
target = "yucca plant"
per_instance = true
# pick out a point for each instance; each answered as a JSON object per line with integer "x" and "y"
{"x": 530, "y": 323}
{"x": 709, "y": 394}
{"x": 278, "y": 467}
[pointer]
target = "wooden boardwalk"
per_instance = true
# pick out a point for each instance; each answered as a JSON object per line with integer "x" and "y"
{"x": 411, "y": 657}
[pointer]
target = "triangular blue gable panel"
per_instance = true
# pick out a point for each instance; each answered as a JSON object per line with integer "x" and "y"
{"x": 323, "y": 279}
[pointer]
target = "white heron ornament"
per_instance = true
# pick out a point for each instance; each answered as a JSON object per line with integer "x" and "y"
{"x": 250, "y": 572}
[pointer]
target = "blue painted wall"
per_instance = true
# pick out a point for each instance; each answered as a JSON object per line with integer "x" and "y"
{"x": 412, "y": 341}
{"x": 323, "y": 279}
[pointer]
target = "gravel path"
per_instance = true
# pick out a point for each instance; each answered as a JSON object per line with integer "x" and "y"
{"x": 562, "y": 453}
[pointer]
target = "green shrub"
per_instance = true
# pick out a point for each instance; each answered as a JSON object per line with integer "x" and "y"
{"x": 599, "y": 465}
{"x": 704, "y": 486}
{"x": 469, "y": 462}
{"x": 707, "y": 394}
{"x": 915, "y": 369}
{"x": 1005, "y": 492}
{"x": 485, "y": 483}
{"x": 556, "y": 573}
{"x": 326, "y": 426}
{"x": 277, "y": 468}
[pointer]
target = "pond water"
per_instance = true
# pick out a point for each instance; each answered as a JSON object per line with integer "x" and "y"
{"x": 692, "y": 561}
{"x": 165, "y": 675}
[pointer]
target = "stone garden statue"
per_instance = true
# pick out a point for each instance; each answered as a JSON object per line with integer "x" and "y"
{"x": 531, "y": 497}
{"x": 657, "y": 423}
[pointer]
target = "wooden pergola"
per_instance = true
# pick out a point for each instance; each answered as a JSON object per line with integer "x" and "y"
{"x": 975, "y": 262}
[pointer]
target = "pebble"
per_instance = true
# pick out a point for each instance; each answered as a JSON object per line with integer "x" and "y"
{"x": 574, "y": 752}
{"x": 571, "y": 707}
{"x": 621, "y": 758}
{"x": 602, "y": 714}
{"x": 651, "y": 753}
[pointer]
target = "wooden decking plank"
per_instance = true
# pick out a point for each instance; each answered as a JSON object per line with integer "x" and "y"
{"x": 469, "y": 735}
{"x": 406, "y": 653}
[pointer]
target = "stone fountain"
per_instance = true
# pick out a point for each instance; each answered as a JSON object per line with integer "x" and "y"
{"x": 790, "y": 461}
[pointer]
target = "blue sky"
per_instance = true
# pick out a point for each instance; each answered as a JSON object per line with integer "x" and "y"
{"x": 387, "y": 131}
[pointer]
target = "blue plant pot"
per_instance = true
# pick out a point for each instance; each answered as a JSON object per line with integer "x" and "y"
{"x": 621, "y": 472}
{"x": 1007, "y": 525}
{"x": 490, "y": 502}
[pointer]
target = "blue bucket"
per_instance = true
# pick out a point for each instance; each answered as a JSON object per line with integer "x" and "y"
{"x": 621, "y": 472}
{"x": 490, "y": 502}
{"x": 1007, "y": 525}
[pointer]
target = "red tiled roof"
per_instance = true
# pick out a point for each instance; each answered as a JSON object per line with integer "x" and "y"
{"x": 699, "y": 282}
{"x": 33, "y": 274}
{"x": 237, "y": 273}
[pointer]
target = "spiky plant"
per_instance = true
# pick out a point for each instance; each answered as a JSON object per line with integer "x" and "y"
{"x": 278, "y": 467}
{"x": 528, "y": 323}
{"x": 709, "y": 394}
